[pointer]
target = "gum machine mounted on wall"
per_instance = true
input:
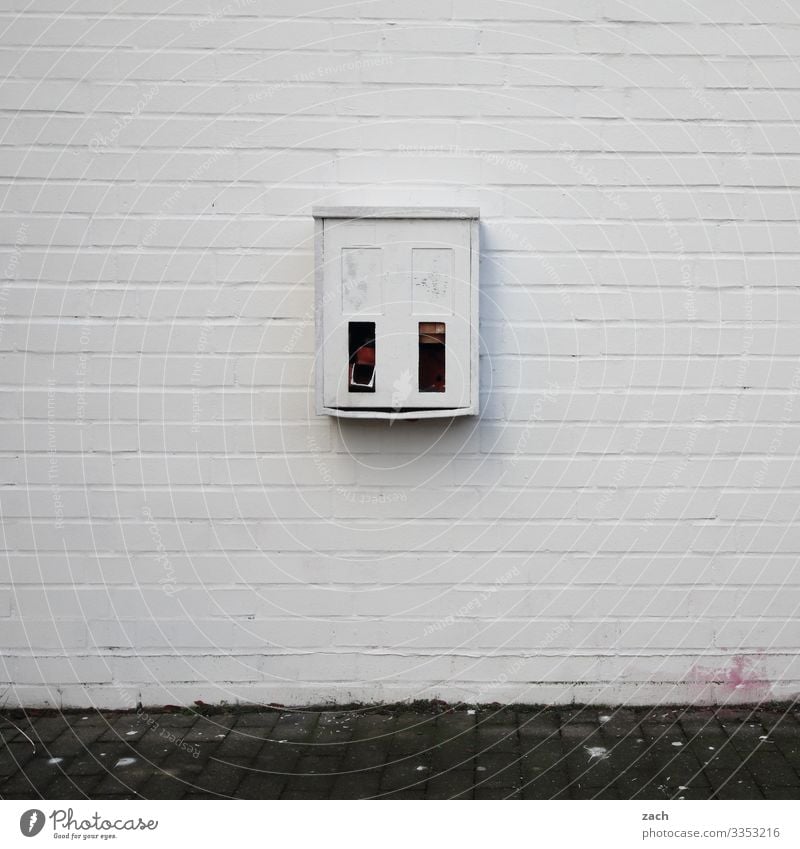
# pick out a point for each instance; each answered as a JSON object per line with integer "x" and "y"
{"x": 396, "y": 312}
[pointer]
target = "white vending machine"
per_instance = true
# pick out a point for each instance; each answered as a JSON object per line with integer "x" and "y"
{"x": 396, "y": 312}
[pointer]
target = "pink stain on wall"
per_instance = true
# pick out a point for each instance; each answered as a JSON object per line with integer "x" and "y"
{"x": 743, "y": 679}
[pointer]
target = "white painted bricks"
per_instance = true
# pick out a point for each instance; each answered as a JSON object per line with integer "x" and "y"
{"x": 619, "y": 524}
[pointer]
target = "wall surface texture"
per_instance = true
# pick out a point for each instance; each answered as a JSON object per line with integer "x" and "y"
{"x": 621, "y": 522}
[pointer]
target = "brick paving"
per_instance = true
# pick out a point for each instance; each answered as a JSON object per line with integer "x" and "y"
{"x": 431, "y": 752}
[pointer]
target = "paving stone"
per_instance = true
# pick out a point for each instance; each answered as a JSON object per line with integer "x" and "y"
{"x": 537, "y": 726}
{"x": 454, "y": 726}
{"x": 685, "y": 793}
{"x": 451, "y": 784}
{"x": 638, "y": 786}
{"x": 543, "y": 761}
{"x": 105, "y": 756}
{"x": 126, "y": 775}
{"x": 76, "y": 741}
{"x": 169, "y": 720}
{"x": 679, "y": 769}
{"x": 40, "y": 772}
{"x": 549, "y": 784}
{"x": 294, "y": 727}
{"x": 404, "y": 776}
{"x": 580, "y": 753}
{"x": 413, "y": 722}
{"x": 210, "y": 729}
{"x": 165, "y": 786}
{"x": 700, "y": 720}
{"x": 330, "y": 738}
{"x": 403, "y": 794}
{"x": 772, "y": 719}
{"x": 781, "y": 793}
{"x": 14, "y": 756}
{"x": 43, "y": 729}
{"x": 497, "y": 793}
{"x": 239, "y": 745}
{"x": 593, "y": 793}
{"x": 547, "y": 719}
{"x": 664, "y": 736}
{"x": 536, "y": 761}
{"x": 537, "y": 792}
{"x": 578, "y": 732}
{"x": 458, "y": 755}
{"x": 20, "y": 786}
{"x": 497, "y": 738}
{"x": 736, "y": 715}
{"x": 219, "y": 778}
{"x": 358, "y": 785}
{"x": 309, "y": 787}
{"x": 716, "y": 753}
{"x": 314, "y": 764}
{"x": 261, "y": 721}
{"x": 412, "y": 741}
{"x": 636, "y": 769}
{"x": 735, "y": 790}
{"x": 745, "y": 738}
{"x": 189, "y": 756}
{"x": 577, "y": 716}
{"x": 372, "y": 726}
{"x": 180, "y": 768}
{"x": 261, "y": 786}
{"x": 204, "y": 794}
{"x": 89, "y": 718}
{"x": 362, "y": 756}
{"x": 127, "y": 728}
{"x": 789, "y": 748}
{"x": 592, "y": 770}
{"x": 277, "y": 757}
{"x": 72, "y": 787}
{"x": 112, "y": 785}
{"x": 498, "y": 769}
{"x": 771, "y": 769}
{"x": 659, "y": 716}
{"x": 618, "y": 722}
{"x": 501, "y": 716}
{"x": 333, "y": 729}
{"x": 87, "y": 764}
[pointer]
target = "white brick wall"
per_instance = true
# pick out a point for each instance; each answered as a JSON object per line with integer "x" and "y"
{"x": 621, "y": 523}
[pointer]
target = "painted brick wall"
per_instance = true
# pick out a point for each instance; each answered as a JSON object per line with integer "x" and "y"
{"x": 621, "y": 522}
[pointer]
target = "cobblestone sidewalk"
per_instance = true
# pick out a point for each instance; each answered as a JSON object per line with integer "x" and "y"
{"x": 436, "y": 752}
